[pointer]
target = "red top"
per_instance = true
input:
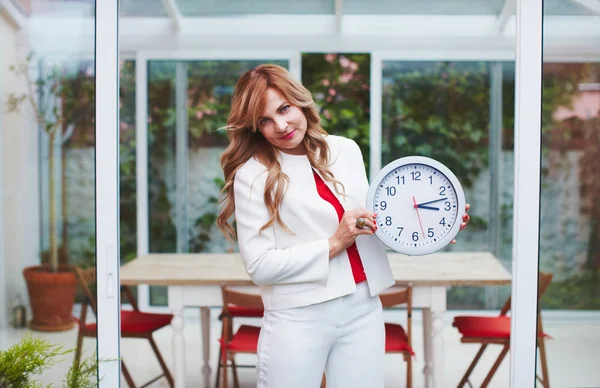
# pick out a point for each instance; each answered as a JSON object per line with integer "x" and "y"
{"x": 355, "y": 263}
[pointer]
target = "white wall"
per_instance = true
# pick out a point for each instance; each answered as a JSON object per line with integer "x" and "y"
{"x": 18, "y": 175}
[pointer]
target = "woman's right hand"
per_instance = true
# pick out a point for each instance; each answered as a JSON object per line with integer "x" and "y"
{"x": 347, "y": 231}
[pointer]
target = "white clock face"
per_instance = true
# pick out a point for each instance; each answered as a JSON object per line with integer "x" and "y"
{"x": 419, "y": 206}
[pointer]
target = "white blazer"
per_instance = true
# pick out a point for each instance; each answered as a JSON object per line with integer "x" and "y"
{"x": 295, "y": 270}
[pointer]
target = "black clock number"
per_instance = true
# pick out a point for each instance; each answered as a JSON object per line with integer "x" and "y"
{"x": 388, "y": 220}
{"x": 430, "y": 232}
{"x": 447, "y": 207}
{"x": 416, "y": 175}
{"x": 442, "y": 190}
{"x": 401, "y": 229}
{"x": 383, "y": 205}
{"x": 390, "y": 190}
{"x": 443, "y": 221}
{"x": 400, "y": 178}
{"x": 415, "y": 236}
{"x": 430, "y": 179}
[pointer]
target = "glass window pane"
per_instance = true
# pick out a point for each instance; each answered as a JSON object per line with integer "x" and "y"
{"x": 340, "y": 85}
{"x": 423, "y": 7}
{"x": 570, "y": 220}
{"x": 441, "y": 110}
{"x": 241, "y": 7}
{"x": 207, "y": 86}
{"x": 566, "y": 8}
{"x": 142, "y": 8}
{"x": 127, "y": 167}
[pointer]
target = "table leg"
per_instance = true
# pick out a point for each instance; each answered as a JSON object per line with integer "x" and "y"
{"x": 205, "y": 327}
{"x": 438, "y": 308}
{"x": 177, "y": 323}
{"x": 427, "y": 348}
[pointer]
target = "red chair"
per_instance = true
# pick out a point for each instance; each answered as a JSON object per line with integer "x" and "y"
{"x": 231, "y": 312}
{"x": 245, "y": 339}
{"x": 398, "y": 340}
{"x": 134, "y": 324}
{"x": 496, "y": 331}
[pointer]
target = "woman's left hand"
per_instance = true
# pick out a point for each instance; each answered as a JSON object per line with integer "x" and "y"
{"x": 466, "y": 219}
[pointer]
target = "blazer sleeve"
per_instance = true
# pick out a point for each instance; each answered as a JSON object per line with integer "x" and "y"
{"x": 264, "y": 261}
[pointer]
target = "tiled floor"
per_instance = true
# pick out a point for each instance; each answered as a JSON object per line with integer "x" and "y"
{"x": 573, "y": 353}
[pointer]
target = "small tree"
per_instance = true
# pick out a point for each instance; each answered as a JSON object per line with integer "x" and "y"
{"x": 43, "y": 95}
{"x": 33, "y": 356}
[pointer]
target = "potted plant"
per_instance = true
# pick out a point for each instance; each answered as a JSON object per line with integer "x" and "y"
{"x": 51, "y": 286}
{"x": 33, "y": 356}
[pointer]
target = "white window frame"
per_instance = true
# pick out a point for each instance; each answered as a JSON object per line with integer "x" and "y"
{"x": 528, "y": 133}
{"x": 107, "y": 194}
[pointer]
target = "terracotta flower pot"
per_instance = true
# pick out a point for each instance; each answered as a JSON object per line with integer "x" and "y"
{"x": 51, "y": 296}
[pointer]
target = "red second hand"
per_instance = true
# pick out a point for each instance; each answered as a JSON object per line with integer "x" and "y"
{"x": 417, "y": 209}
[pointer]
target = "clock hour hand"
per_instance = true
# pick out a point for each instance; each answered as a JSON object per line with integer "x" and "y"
{"x": 428, "y": 207}
{"x": 427, "y": 203}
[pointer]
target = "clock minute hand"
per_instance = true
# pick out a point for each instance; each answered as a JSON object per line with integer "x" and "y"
{"x": 435, "y": 200}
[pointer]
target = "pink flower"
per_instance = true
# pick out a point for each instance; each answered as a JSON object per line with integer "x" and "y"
{"x": 330, "y": 57}
{"x": 345, "y": 78}
{"x": 199, "y": 115}
{"x": 344, "y": 62}
{"x": 348, "y": 64}
{"x": 327, "y": 114}
{"x": 332, "y": 92}
{"x": 123, "y": 126}
{"x": 326, "y": 82}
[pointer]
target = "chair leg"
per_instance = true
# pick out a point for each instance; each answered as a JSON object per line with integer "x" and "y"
{"x": 78, "y": 349}
{"x": 127, "y": 375}
{"x": 488, "y": 378}
{"x": 236, "y": 382}
{"x": 162, "y": 363}
{"x": 465, "y": 378}
{"x": 543, "y": 361}
{"x": 409, "y": 371}
{"x": 218, "y": 374}
{"x": 224, "y": 372}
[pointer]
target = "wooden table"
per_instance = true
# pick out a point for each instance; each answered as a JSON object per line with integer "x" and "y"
{"x": 194, "y": 280}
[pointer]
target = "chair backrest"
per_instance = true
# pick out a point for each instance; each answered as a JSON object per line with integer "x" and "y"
{"x": 544, "y": 280}
{"x": 87, "y": 279}
{"x": 397, "y": 297}
{"x": 241, "y": 299}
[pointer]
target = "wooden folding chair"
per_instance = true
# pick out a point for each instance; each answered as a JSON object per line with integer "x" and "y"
{"x": 245, "y": 338}
{"x": 233, "y": 311}
{"x": 496, "y": 331}
{"x": 398, "y": 340}
{"x": 134, "y": 324}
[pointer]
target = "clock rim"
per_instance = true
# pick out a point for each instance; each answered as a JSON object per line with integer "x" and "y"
{"x": 442, "y": 243}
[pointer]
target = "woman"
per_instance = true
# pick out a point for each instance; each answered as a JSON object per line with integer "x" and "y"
{"x": 298, "y": 196}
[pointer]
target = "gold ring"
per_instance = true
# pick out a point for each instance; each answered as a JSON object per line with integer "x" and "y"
{"x": 361, "y": 222}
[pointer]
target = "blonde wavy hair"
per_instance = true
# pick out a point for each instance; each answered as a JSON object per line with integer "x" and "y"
{"x": 245, "y": 141}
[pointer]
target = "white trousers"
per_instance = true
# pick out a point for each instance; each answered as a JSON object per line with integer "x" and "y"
{"x": 344, "y": 337}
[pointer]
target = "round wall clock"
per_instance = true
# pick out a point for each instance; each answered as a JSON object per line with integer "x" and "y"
{"x": 419, "y": 204}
